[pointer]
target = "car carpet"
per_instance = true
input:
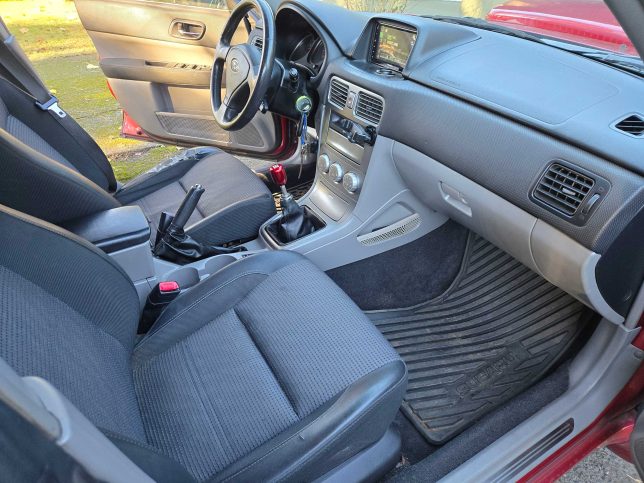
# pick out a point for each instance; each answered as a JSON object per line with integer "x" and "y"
{"x": 495, "y": 332}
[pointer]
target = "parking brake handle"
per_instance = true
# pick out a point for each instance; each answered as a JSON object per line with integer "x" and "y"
{"x": 187, "y": 207}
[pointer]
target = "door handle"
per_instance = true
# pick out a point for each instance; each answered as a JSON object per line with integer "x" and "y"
{"x": 187, "y": 29}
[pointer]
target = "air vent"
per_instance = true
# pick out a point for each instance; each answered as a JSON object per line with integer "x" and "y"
{"x": 338, "y": 93}
{"x": 632, "y": 125}
{"x": 369, "y": 107}
{"x": 258, "y": 42}
{"x": 563, "y": 188}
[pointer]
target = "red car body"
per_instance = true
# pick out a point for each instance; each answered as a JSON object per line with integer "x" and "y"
{"x": 586, "y": 22}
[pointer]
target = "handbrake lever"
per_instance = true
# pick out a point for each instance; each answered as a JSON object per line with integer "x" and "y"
{"x": 187, "y": 207}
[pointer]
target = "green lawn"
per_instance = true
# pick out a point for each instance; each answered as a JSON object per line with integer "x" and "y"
{"x": 54, "y": 39}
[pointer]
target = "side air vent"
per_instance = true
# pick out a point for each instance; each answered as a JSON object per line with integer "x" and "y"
{"x": 258, "y": 42}
{"x": 338, "y": 93}
{"x": 569, "y": 191}
{"x": 632, "y": 125}
{"x": 369, "y": 107}
{"x": 563, "y": 188}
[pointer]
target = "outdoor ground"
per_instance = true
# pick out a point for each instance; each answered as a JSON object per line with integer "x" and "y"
{"x": 53, "y": 38}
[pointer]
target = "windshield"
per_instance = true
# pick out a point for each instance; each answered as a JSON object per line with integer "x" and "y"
{"x": 586, "y": 22}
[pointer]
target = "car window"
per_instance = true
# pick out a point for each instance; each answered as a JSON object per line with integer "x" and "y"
{"x": 586, "y": 22}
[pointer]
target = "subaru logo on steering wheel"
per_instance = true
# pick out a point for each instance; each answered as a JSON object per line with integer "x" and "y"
{"x": 234, "y": 65}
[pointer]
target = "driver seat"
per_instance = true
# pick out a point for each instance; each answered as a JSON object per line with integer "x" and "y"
{"x": 53, "y": 170}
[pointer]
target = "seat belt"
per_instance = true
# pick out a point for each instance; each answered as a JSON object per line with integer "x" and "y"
{"x": 16, "y": 68}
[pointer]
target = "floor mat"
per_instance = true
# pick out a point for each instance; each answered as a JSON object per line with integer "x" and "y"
{"x": 497, "y": 330}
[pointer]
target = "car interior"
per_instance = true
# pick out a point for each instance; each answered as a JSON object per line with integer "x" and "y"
{"x": 442, "y": 278}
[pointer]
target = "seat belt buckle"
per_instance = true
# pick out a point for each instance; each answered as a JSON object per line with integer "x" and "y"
{"x": 158, "y": 299}
{"x": 52, "y": 106}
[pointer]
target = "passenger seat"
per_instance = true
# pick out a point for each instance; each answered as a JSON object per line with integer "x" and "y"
{"x": 264, "y": 371}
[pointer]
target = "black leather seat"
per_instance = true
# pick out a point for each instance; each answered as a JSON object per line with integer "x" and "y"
{"x": 264, "y": 371}
{"x": 52, "y": 169}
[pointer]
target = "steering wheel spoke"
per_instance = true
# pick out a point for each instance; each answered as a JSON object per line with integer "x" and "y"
{"x": 222, "y": 51}
{"x": 244, "y": 70}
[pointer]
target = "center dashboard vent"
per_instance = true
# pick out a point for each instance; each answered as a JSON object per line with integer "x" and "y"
{"x": 632, "y": 125}
{"x": 338, "y": 93}
{"x": 369, "y": 107}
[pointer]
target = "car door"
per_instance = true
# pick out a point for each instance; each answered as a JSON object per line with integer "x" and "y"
{"x": 157, "y": 57}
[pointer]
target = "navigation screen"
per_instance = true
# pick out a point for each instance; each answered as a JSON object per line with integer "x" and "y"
{"x": 394, "y": 45}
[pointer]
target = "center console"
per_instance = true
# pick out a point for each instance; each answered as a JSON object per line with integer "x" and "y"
{"x": 348, "y": 132}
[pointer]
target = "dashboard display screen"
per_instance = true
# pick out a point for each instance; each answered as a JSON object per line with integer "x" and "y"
{"x": 393, "y": 45}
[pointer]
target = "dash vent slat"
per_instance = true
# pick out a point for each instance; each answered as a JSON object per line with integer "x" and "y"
{"x": 338, "y": 93}
{"x": 632, "y": 125}
{"x": 369, "y": 107}
{"x": 563, "y": 188}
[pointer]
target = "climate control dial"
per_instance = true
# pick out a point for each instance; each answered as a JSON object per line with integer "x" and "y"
{"x": 351, "y": 182}
{"x": 336, "y": 172}
{"x": 324, "y": 163}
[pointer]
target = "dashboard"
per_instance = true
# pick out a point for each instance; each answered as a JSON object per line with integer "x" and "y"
{"x": 534, "y": 128}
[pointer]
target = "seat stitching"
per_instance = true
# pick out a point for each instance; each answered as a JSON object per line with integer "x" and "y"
{"x": 250, "y": 465}
{"x": 205, "y": 401}
{"x": 194, "y": 304}
{"x": 289, "y": 398}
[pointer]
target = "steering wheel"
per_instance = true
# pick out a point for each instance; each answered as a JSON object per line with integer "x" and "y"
{"x": 247, "y": 72}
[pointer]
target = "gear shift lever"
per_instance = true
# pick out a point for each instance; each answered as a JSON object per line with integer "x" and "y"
{"x": 294, "y": 222}
{"x": 278, "y": 173}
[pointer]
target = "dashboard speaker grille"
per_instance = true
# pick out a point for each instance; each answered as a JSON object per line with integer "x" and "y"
{"x": 563, "y": 188}
{"x": 338, "y": 93}
{"x": 369, "y": 107}
{"x": 632, "y": 125}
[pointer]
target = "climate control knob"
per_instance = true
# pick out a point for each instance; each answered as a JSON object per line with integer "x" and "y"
{"x": 336, "y": 172}
{"x": 351, "y": 182}
{"x": 324, "y": 163}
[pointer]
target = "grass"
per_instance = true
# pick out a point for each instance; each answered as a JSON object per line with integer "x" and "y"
{"x": 52, "y": 36}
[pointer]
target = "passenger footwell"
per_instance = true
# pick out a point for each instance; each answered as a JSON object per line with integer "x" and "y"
{"x": 496, "y": 331}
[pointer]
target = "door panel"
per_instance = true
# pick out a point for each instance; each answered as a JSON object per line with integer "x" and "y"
{"x": 158, "y": 57}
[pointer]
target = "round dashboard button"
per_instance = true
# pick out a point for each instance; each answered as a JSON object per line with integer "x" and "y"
{"x": 351, "y": 182}
{"x": 336, "y": 172}
{"x": 324, "y": 163}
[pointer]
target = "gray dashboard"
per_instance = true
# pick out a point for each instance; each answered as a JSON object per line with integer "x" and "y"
{"x": 499, "y": 110}
{"x": 502, "y": 112}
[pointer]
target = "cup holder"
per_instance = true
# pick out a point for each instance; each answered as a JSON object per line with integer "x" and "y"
{"x": 186, "y": 277}
{"x": 217, "y": 263}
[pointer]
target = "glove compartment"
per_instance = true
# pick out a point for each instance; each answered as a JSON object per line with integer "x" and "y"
{"x": 544, "y": 249}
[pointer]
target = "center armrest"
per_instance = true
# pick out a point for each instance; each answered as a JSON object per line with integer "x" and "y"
{"x": 114, "y": 229}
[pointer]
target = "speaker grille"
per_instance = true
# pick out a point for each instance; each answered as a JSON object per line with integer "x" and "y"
{"x": 395, "y": 230}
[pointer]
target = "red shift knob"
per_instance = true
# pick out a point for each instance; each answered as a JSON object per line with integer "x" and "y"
{"x": 278, "y": 173}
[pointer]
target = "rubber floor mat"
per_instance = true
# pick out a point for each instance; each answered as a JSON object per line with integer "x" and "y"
{"x": 494, "y": 333}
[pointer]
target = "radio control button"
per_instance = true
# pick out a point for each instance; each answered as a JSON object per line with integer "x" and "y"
{"x": 351, "y": 182}
{"x": 336, "y": 172}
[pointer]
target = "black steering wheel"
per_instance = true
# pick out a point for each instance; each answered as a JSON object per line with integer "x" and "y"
{"x": 247, "y": 72}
